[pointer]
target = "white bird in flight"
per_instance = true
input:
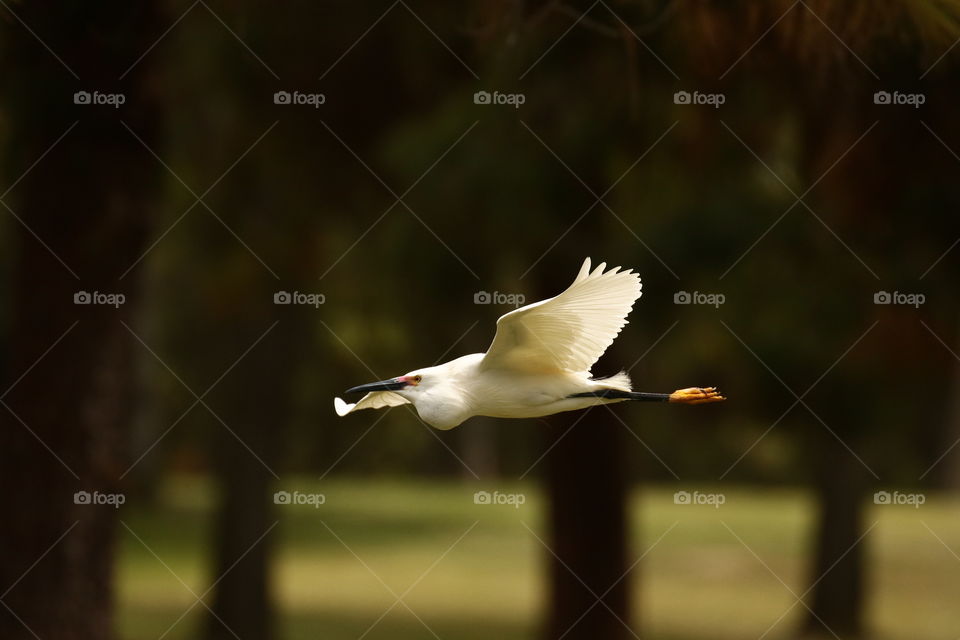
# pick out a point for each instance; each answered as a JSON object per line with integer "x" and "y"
{"x": 538, "y": 364}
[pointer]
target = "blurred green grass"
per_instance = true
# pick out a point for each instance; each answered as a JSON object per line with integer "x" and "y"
{"x": 711, "y": 572}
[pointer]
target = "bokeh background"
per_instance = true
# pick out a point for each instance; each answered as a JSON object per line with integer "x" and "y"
{"x": 171, "y": 463}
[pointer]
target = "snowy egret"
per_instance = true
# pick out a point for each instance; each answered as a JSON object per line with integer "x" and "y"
{"x": 538, "y": 364}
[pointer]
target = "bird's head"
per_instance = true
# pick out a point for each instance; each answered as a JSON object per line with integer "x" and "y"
{"x": 409, "y": 385}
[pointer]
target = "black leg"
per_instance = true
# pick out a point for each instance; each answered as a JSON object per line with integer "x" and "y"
{"x": 617, "y": 394}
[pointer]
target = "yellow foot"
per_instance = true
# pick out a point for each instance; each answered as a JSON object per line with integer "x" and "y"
{"x": 696, "y": 395}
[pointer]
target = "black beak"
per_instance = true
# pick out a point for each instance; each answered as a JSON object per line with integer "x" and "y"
{"x": 393, "y": 384}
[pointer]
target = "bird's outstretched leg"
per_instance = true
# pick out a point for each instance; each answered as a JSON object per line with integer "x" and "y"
{"x": 693, "y": 395}
{"x": 696, "y": 395}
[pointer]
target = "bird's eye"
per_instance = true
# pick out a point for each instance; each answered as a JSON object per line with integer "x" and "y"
{"x": 417, "y": 379}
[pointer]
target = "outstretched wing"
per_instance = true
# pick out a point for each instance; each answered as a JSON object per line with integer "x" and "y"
{"x": 570, "y": 331}
{"x": 373, "y": 400}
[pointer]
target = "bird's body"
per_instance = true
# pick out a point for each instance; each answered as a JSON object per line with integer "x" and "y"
{"x": 538, "y": 365}
{"x": 469, "y": 389}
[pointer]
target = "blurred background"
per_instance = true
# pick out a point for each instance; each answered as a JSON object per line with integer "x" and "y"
{"x": 216, "y": 216}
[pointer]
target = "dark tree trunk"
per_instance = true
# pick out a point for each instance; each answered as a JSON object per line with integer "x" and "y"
{"x": 88, "y": 200}
{"x": 838, "y": 559}
{"x": 840, "y": 481}
{"x": 586, "y": 487}
{"x": 948, "y": 475}
{"x": 254, "y": 401}
{"x": 242, "y": 603}
{"x": 256, "y": 397}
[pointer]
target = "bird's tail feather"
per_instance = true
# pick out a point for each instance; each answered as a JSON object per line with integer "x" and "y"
{"x": 619, "y": 381}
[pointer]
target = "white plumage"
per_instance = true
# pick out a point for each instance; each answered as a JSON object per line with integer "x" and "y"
{"x": 568, "y": 332}
{"x": 538, "y": 364}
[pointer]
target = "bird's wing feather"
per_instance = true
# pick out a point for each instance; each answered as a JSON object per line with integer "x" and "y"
{"x": 570, "y": 331}
{"x": 373, "y": 400}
